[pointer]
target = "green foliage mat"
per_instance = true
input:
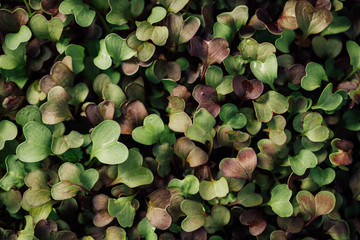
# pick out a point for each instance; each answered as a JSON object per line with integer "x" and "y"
{"x": 179, "y": 119}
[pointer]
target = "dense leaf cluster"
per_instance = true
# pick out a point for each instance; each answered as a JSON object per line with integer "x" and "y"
{"x": 179, "y": 119}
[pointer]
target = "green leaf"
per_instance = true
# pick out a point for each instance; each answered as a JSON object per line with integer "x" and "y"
{"x": 60, "y": 144}
{"x": 8, "y": 131}
{"x": 123, "y": 210}
{"x": 339, "y": 24}
{"x": 234, "y": 19}
{"x": 354, "y": 53}
{"x": 311, "y": 125}
{"x": 105, "y": 147}
{"x": 276, "y": 130}
{"x": 251, "y": 50}
{"x": 131, "y": 171}
{"x": 314, "y": 74}
{"x": 157, "y": 14}
{"x": 12, "y": 58}
{"x": 219, "y": 217}
{"x": 120, "y": 12}
{"x": 73, "y": 178}
{"x": 181, "y": 31}
{"x": 118, "y": 49}
{"x": 202, "y": 128}
{"x": 151, "y": 132}
{"x": 83, "y": 15}
{"x": 15, "y": 173}
{"x": 286, "y": 38}
{"x": 11, "y": 199}
{"x": 301, "y": 162}
{"x": 147, "y": 230}
{"x": 322, "y": 177}
{"x": 174, "y": 5}
{"x": 42, "y": 28}
{"x": 76, "y": 52}
{"x": 212, "y": 189}
{"x": 247, "y": 197}
{"x": 188, "y": 186}
{"x": 158, "y": 34}
{"x": 164, "y": 155}
{"x": 195, "y": 215}
{"x": 279, "y": 201}
{"x": 37, "y": 144}
{"x": 268, "y": 103}
{"x": 266, "y": 71}
{"x": 328, "y": 100}
{"x": 230, "y": 115}
{"x": 103, "y": 59}
{"x": 27, "y": 114}
{"x": 326, "y": 48}
{"x": 13, "y": 40}
{"x": 28, "y": 232}
{"x": 78, "y": 93}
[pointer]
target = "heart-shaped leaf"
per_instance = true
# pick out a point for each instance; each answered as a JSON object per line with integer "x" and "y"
{"x": 314, "y": 74}
{"x": 311, "y": 20}
{"x": 102, "y": 216}
{"x": 279, "y": 201}
{"x": 39, "y": 183}
{"x": 181, "y": 31}
{"x": 188, "y": 186}
{"x": 219, "y": 217}
{"x": 188, "y": 151}
{"x": 287, "y": 19}
{"x": 157, "y": 213}
{"x": 144, "y": 50}
{"x": 353, "y": 50}
{"x": 214, "y": 188}
{"x": 42, "y": 28}
{"x": 56, "y": 109}
{"x": 60, "y": 144}
{"x": 210, "y": 52}
{"x": 339, "y": 24}
{"x": 105, "y": 147}
{"x": 234, "y": 19}
{"x": 265, "y": 18}
{"x": 12, "y": 21}
{"x": 131, "y": 171}
{"x": 103, "y": 59}
{"x": 174, "y": 5}
{"x": 266, "y": 71}
{"x": 78, "y": 93}
{"x": 123, "y": 209}
{"x": 157, "y": 14}
{"x": 202, "y": 128}
{"x": 98, "y": 113}
{"x": 326, "y": 48}
{"x": 323, "y": 203}
{"x": 13, "y": 40}
{"x": 276, "y": 130}
{"x": 120, "y": 12}
{"x": 8, "y": 131}
{"x": 206, "y": 96}
{"x": 301, "y": 162}
{"x": 118, "y": 49}
{"x": 163, "y": 153}
{"x": 286, "y": 38}
{"x": 311, "y": 125}
{"x": 158, "y": 34}
{"x": 27, "y": 114}
{"x": 240, "y": 167}
{"x": 195, "y": 215}
{"x": 322, "y": 177}
{"x": 146, "y": 229}
{"x": 251, "y": 50}
{"x": 76, "y": 52}
{"x": 73, "y": 178}
{"x": 343, "y": 152}
{"x": 61, "y": 74}
{"x": 254, "y": 219}
{"x": 179, "y": 121}
{"x": 268, "y": 103}
{"x": 230, "y": 115}
{"x": 328, "y": 100}
{"x": 37, "y": 145}
{"x": 13, "y": 58}
{"x": 15, "y": 173}
{"x": 150, "y": 133}
{"x": 134, "y": 113}
{"x": 247, "y": 196}
{"x": 81, "y": 11}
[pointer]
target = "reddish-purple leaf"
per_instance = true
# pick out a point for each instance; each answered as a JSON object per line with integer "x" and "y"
{"x": 253, "y": 218}
{"x": 96, "y": 114}
{"x": 133, "y": 115}
{"x": 242, "y": 166}
{"x": 206, "y": 96}
{"x": 273, "y": 27}
{"x": 344, "y": 154}
{"x": 247, "y": 89}
{"x": 12, "y": 21}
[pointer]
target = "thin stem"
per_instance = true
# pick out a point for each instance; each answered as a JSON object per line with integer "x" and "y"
{"x": 350, "y": 74}
{"x": 27, "y": 6}
{"x": 310, "y": 221}
{"x": 104, "y": 23}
